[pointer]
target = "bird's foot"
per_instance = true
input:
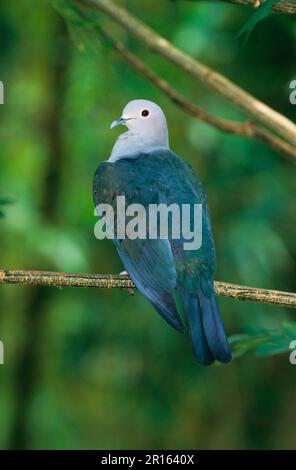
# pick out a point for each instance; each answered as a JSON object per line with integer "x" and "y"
{"x": 130, "y": 290}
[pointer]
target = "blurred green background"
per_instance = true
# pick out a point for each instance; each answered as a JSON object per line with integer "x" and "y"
{"x": 88, "y": 368}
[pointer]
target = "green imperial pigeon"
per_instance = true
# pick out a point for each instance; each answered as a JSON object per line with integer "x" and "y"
{"x": 145, "y": 171}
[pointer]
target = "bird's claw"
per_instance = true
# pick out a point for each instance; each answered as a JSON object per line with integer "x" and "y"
{"x": 123, "y": 273}
{"x": 130, "y": 290}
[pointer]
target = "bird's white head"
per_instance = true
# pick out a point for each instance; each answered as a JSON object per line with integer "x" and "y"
{"x": 147, "y": 130}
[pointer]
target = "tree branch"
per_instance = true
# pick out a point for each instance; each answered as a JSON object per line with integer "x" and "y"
{"x": 213, "y": 80}
{"x": 282, "y": 6}
{"x": 246, "y": 129}
{"x": 109, "y": 281}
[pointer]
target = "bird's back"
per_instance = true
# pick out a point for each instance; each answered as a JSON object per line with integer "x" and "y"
{"x": 162, "y": 177}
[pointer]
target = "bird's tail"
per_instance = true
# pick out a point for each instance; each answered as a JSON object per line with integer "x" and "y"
{"x": 208, "y": 338}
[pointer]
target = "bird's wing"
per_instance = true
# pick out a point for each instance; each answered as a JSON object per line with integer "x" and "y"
{"x": 148, "y": 262}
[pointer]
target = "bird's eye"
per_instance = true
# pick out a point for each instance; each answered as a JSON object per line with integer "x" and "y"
{"x": 145, "y": 112}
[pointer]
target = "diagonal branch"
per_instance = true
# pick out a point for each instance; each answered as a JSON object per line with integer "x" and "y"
{"x": 212, "y": 79}
{"x": 109, "y": 281}
{"x": 282, "y": 6}
{"x": 246, "y": 129}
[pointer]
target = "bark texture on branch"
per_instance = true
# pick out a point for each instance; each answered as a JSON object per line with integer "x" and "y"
{"x": 110, "y": 281}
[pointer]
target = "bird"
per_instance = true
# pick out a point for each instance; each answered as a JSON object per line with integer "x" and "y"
{"x": 177, "y": 282}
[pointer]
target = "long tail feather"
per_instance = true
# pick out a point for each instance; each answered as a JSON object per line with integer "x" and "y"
{"x": 213, "y": 327}
{"x": 208, "y": 338}
{"x": 192, "y": 311}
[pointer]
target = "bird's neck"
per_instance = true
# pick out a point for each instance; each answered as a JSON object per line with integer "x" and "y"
{"x": 129, "y": 145}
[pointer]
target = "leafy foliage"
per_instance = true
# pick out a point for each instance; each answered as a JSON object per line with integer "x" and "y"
{"x": 263, "y": 341}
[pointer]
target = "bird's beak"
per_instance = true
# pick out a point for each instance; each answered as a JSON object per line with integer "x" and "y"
{"x": 119, "y": 122}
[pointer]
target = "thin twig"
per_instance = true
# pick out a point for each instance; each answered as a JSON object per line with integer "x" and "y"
{"x": 212, "y": 79}
{"x": 246, "y": 129}
{"x": 110, "y": 281}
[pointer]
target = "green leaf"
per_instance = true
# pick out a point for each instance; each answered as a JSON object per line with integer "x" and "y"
{"x": 255, "y": 330}
{"x": 273, "y": 347}
{"x": 262, "y": 12}
{"x": 263, "y": 341}
{"x": 290, "y": 329}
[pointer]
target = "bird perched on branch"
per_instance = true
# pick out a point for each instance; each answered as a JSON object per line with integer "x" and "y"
{"x": 146, "y": 172}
